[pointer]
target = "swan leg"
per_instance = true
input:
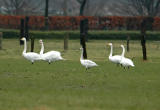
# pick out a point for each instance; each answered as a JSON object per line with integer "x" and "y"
{"x": 49, "y": 62}
{"x": 32, "y": 62}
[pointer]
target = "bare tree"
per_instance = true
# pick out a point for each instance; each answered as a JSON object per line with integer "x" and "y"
{"x": 64, "y": 7}
{"x": 149, "y": 8}
{"x": 96, "y": 8}
{"x": 14, "y": 6}
{"x": 142, "y": 7}
{"x": 21, "y": 7}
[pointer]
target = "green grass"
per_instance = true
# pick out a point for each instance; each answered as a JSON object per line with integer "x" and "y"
{"x": 66, "y": 85}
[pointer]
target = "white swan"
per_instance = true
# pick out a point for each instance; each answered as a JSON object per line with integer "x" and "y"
{"x": 86, "y": 63}
{"x": 50, "y": 56}
{"x": 116, "y": 58}
{"x": 125, "y": 62}
{"x": 31, "y": 56}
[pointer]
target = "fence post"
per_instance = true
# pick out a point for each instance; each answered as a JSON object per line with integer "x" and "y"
{"x": 21, "y": 32}
{"x": 32, "y": 44}
{"x": 128, "y": 38}
{"x": 66, "y": 41}
{"x": 1, "y": 37}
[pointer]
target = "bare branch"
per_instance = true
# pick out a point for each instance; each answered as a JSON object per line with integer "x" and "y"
{"x": 143, "y": 7}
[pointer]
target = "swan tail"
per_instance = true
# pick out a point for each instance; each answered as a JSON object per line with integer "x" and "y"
{"x": 133, "y": 65}
{"x": 62, "y": 59}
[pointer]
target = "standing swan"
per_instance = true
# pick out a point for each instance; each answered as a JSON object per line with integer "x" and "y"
{"x": 49, "y": 56}
{"x": 86, "y": 63}
{"x": 31, "y": 56}
{"x": 126, "y": 62}
{"x": 115, "y": 59}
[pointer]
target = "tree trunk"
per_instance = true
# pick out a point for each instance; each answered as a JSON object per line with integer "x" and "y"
{"x": 65, "y": 7}
{"x": 82, "y": 7}
{"x": 46, "y": 8}
{"x": 21, "y": 32}
{"x": 83, "y": 38}
{"x": 26, "y": 28}
{"x": 84, "y": 46}
{"x": 143, "y": 43}
{"x": 146, "y": 24}
{"x": 86, "y": 27}
{"x": 46, "y": 23}
{"x": 128, "y": 38}
{"x": 1, "y": 37}
{"x": 46, "y": 14}
{"x": 143, "y": 38}
{"x": 32, "y": 44}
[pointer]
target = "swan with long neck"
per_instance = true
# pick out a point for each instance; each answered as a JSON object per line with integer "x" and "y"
{"x": 42, "y": 47}
{"x": 116, "y": 58}
{"x": 50, "y": 56}
{"x": 31, "y": 56}
{"x": 86, "y": 63}
{"x": 125, "y": 62}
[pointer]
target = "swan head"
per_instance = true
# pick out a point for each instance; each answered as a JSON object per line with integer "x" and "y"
{"x": 122, "y": 46}
{"x": 40, "y": 41}
{"x": 110, "y": 44}
{"x": 23, "y": 39}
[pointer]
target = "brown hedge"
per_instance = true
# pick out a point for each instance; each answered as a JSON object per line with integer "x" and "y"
{"x": 72, "y": 22}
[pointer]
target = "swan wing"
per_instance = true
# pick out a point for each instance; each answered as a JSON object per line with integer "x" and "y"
{"x": 54, "y": 52}
{"x": 90, "y": 63}
{"x": 52, "y": 56}
{"x": 32, "y": 56}
{"x": 115, "y": 59}
{"x": 127, "y": 62}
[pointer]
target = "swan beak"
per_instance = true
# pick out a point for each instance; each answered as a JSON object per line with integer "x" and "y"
{"x": 22, "y": 38}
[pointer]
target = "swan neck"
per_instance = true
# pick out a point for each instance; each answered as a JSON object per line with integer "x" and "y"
{"x": 42, "y": 49}
{"x": 25, "y": 46}
{"x": 123, "y": 52}
{"x": 111, "y": 51}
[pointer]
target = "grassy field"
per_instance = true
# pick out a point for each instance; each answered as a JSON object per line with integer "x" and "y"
{"x": 66, "y": 85}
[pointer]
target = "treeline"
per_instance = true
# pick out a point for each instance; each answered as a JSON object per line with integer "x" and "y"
{"x": 73, "y": 22}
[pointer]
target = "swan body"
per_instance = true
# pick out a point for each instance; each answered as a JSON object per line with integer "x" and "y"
{"x": 50, "y": 56}
{"x": 31, "y": 56}
{"x": 116, "y": 58}
{"x": 126, "y": 62}
{"x": 86, "y": 63}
